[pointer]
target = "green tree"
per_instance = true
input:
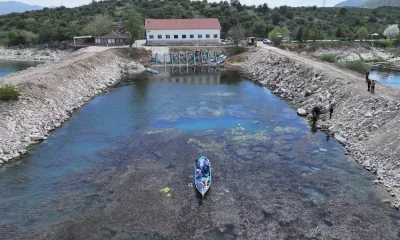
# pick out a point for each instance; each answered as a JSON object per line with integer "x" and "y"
{"x": 278, "y": 33}
{"x": 133, "y": 22}
{"x": 259, "y": 28}
{"x": 339, "y": 32}
{"x": 362, "y": 33}
{"x": 299, "y": 35}
{"x": 100, "y": 25}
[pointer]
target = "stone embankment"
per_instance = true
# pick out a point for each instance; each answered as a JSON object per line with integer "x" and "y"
{"x": 32, "y": 54}
{"x": 367, "y": 125}
{"x": 51, "y": 92}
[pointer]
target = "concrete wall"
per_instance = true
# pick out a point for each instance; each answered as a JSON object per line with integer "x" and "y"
{"x": 183, "y": 37}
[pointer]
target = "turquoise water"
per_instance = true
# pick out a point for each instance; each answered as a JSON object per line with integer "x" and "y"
{"x": 387, "y": 77}
{"x": 100, "y": 175}
{"x": 8, "y": 67}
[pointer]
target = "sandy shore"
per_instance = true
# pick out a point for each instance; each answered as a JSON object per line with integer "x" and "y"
{"x": 368, "y": 125}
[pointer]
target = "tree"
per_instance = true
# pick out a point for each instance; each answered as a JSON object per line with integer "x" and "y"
{"x": 278, "y": 33}
{"x": 362, "y": 33}
{"x": 339, "y": 32}
{"x": 133, "y": 22}
{"x": 343, "y": 11}
{"x": 392, "y": 31}
{"x": 237, "y": 33}
{"x": 299, "y": 35}
{"x": 100, "y": 25}
{"x": 259, "y": 28}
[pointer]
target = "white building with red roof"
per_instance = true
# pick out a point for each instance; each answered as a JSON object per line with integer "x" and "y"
{"x": 196, "y": 31}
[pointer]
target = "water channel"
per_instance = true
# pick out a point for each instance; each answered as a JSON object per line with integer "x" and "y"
{"x": 122, "y": 168}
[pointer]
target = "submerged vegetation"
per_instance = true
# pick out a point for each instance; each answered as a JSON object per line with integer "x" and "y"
{"x": 301, "y": 23}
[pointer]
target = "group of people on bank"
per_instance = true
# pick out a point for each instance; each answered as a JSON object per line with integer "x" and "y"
{"x": 370, "y": 83}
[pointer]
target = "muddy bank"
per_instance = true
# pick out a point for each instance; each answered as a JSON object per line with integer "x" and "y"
{"x": 33, "y": 54}
{"x": 367, "y": 125}
{"x": 51, "y": 92}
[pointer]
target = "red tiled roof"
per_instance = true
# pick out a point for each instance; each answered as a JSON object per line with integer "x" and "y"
{"x": 182, "y": 24}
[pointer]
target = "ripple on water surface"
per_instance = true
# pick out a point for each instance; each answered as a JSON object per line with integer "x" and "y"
{"x": 122, "y": 168}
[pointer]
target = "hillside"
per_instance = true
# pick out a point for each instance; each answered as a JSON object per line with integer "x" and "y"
{"x": 381, "y": 3}
{"x": 12, "y": 6}
{"x": 350, "y": 3}
{"x": 61, "y": 24}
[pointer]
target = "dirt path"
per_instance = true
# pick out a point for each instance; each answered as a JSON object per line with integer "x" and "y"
{"x": 357, "y": 81}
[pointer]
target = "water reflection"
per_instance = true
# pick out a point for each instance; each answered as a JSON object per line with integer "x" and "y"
{"x": 8, "y": 67}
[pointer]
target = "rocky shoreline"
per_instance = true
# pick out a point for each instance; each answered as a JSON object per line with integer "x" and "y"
{"x": 366, "y": 125}
{"x": 33, "y": 54}
{"x": 52, "y": 91}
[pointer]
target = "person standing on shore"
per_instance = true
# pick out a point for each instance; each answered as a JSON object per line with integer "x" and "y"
{"x": 369, "y": 84}
{"x": 330, "y": 111}
{"x": 367, "y": 76}
{"x": 372, "y": 86}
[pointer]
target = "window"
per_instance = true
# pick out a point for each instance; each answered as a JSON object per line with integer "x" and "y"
{"x": 215, "y": 35}
{"x": 191, "y": 35}
{"x": 207, "y": 35}
{"x": 159, "y": 36}
{"x": 183, "y": 36}
{"x": 176, "y": 36}
{"x": 167, "y": 36}
{"x": 151, "y": 36}
{"x": 199, "y": 36}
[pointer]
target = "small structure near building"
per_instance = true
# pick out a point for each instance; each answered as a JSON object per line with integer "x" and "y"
{"x": 196, "y": 31}
{"x": 112, "y": 39}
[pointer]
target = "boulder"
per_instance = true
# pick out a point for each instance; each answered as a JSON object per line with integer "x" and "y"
{"x": 302, "y": 112}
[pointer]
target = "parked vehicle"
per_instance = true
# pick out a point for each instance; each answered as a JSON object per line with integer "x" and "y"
{"x": 267, "y": 41}
{"x": 251, "y": 41}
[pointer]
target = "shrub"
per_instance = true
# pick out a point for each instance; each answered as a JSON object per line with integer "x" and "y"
{"x": 388, "y": 43}
{"x": 332, "y": 58}
{"x": 9, "y": 92}
{"x": 358, "y": 66}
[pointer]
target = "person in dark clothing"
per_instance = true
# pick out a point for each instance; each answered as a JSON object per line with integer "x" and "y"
{"x": 314, "y": 119}
{"x": 330, "y": 111}
{"x": 369, "y": 84}
{"x": 316, "y": 111}
{"x": 372, "y": 86}
{"x": 367, "y": 76}
{"x": 197, "y": 164}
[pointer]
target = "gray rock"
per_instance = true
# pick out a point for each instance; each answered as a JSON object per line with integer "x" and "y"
{"x": 36, "y": 137}
{"x": 301, "y": 112}
{"x": 368, "y": 114}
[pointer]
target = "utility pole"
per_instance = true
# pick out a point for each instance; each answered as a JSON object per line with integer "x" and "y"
{"x": 61, "y": 3}
{"x": 323, "y": 3}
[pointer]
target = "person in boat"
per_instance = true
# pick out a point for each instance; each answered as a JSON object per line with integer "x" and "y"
{"x": 197, "y": 164}
{"x": 199, "y": 175}
{"x": 206, "y": 167}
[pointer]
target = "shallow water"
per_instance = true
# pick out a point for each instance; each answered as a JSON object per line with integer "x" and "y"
{"x": 386, "y": 77}
{"x": 8, "y": 67}
{"x": 103, "y": 174}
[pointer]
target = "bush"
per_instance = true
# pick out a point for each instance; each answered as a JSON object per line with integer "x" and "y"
{"x": 358, "y": 66}
{"x": 9, "y": 92}
{"x": 332, "y": 58}
{"x": 388, "y": 43}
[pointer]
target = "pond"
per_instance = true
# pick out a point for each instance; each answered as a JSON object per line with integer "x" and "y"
{"x": 122, "y": 168}
{"x": 386, "y": 76}
{"x": 8, "y": 67}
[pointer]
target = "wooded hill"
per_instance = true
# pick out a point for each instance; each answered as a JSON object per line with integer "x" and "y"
{"x": 60, "y": 24}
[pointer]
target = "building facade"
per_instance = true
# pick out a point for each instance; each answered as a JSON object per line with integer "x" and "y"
{"x": 197, "y": 31}
{"x": 112, "y": 39}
